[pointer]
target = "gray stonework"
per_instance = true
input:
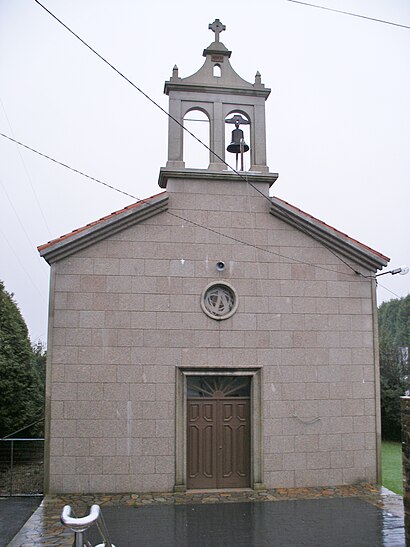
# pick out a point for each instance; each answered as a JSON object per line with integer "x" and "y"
{"x": 127, "y": 329}
{"x": 126, "y": 316}
{"x": 217, "y": 97}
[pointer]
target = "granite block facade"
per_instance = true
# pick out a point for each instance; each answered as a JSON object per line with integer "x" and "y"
{"x": 126, "y": 316}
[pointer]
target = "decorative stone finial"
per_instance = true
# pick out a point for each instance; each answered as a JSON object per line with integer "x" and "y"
{"x": 217, "y": 27}
{"x": 258, "y": 81}
{"x": 175, "y": 77}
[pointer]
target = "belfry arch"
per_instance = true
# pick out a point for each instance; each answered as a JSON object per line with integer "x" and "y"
{"x": 195, "y": 154}
{"x": 217, "y": 90}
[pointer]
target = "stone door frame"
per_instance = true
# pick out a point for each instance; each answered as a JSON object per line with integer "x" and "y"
{"x": 256, "y": 463}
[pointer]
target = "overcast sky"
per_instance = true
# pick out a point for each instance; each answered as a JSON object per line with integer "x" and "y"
{"x": 338, "y": 117}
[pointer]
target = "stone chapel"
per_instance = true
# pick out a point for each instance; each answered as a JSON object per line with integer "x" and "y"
{"x": 211, "y": 336}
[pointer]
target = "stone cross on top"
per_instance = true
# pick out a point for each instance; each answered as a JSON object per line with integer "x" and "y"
{"x": 217, "y": 27}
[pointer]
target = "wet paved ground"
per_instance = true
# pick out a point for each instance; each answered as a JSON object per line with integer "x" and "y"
{"x": 13, "y": 514}
{"x": 354, "y": 516}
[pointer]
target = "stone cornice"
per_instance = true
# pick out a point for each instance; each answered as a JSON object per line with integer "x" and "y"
{"x": 328, "y": 236}
{"x": 225, "y": 90}
{"x": 214, "y": 176}
{"x": 107, "y": 226}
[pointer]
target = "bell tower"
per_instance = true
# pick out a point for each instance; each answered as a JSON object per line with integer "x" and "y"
{"x": 224, "y": 97}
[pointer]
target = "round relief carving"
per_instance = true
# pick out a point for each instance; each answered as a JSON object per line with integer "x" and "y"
{"x": 219, "y": 300}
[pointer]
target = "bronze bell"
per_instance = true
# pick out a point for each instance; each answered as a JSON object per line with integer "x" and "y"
{"x": 238, "y": 144}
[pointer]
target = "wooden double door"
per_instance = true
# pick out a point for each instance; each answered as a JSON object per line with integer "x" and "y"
{"x": 218, "y": 442}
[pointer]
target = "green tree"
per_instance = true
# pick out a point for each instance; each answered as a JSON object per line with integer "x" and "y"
{"x": 394, "y": 333}
{"x": 21, "y": 371}
{"x": 39, "y": 362}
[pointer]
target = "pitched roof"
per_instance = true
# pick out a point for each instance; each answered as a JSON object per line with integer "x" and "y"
{"x": 95, "y": 231}
{"x": 136, "y": 212}
{"x": 328, "y": 236}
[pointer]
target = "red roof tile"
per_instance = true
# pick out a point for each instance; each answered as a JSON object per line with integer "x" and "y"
{"x": 147, "y": 200}
{"x": 337, "y": 232}
{"x": 91, "y": 224}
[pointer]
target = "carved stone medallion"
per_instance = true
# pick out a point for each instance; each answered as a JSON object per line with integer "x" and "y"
{"x": 219, "y": 300}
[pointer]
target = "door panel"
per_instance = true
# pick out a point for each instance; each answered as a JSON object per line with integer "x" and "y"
{"x": 201, "y": 444}
{"x": 227, "y": 451}
{"x": 208, "y": 413}
{"x": 218, "y": 443}
{"x": 207, "y": 450}
{"x": 242, "y": 462}
{"x": 227, "y": 411}
{"x": 236, "y": 443}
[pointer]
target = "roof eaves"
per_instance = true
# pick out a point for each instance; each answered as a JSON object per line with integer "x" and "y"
{"x": 96, "y": 231}
{"x": 329, "y": 236}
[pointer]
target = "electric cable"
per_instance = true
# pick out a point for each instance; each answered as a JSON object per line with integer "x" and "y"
{"x": 24, "y": 268}
{"x": 386, "y": 289}
{"x": 31, "y": 244}
{"x": 349, "y": 13}
{"x": 23, "y": 428}
{"x": 27, "y": 172}
{"x": 198, "y": 225}
{"x": 241, "y": 175}
{"x": 99, "y": 181}
{"x": 318, "y": 239}
{"x": 66, "y": 166}
{"x": 135, "y": 86}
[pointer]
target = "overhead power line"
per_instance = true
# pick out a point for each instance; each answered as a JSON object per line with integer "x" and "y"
{"x": 386, "y": 289}
{"x": 27, "y": 173}
{"x": 349, "y": 13}
{"x": 122, "y": 75}
{"x": 241, "y": 175}
{"x": 180, "y": 217}
{"x": 12, "y": 248}
{"x": 31, "y": 244}
{"x": 66, "y": 166}
{"x": 136, "y": 87}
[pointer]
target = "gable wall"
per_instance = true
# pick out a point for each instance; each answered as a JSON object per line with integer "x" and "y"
{"x": 127, "y": 314}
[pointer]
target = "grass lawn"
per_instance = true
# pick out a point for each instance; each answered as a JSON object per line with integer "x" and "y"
{"x": 391, "y": 467}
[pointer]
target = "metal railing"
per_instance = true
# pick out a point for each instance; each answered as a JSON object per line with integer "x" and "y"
{"x": 21, "y": 466}
{"x": 80, "y": 526}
